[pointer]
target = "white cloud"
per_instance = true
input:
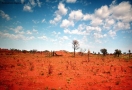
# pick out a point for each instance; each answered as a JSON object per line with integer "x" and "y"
{"x": 65, "y": 38}
{"x": 102, "y": 12}
{"x": 56, "y": 20}
{"x": 96, "y": 21}
{"x": 90, "y": 28}
{"x": 35, "y": 21}
{"x": 39, "y": 3}
{"x": 29, "y": 32}
{"x": 34, "y": 30}
{"x": 43, "y": 37}
{"x": 15, "y": 36}
{"x": 87, "y": 17}
{"x": 123, "y": 11}
{"x": 27, "y": 8}
{"x": 22, "y": 1}
{"x": 5, "y": 16}
{"x": 109, "y": 22}
{"x": 32, "y": 2}
{"x": 76, "y": 15}
{"x": 61, "y": 11}
{"x": 112, "y": 33}
{"x": 18, "y": 30}
{"x": 56, "y": 33}
{"x": 66, "y": 23}
{"x": 121, "y": 26}
{"x": 76, "y": 32}
{"x": 114, "y": 17}
{"x": 43, "y": 20}
{"x": 81, "y": 27}
{"x": 70, "y": 1}
{"x": 98, "y": 35}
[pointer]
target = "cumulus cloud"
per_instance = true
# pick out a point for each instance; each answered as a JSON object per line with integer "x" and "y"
{"x": 66, "y": 23}
{"x": 70, "y": 1}
{"x": 87, "y": 17}
{"x": 29, "y": 32}
{"x": 122, "y": 11}
{"x": 43, "y": 37}
{"x": 32, "y": 2}
{"x": 121, "y": 26}
{"x": 35, "y": 31}
{"x": 15, "y": 36}
{"x": 18, "y": 29}
{"x": 61, "y": 11}
{"x": 4, "y": 15}
{"x": 109, "y": 22}
{"x": 35, "y": 21}
{"x": 76, "y": 15}
{"x": 96, "y": 21}
{"x": 98, "y": 35}
{"x": 43, "y": 21}
{"x": 56, "y": 19}
{"x": 65, "y": 38}
{"x": 112, "y": 33}
{"x": 90, "y": 28}
{"x": 22, "y": 1}
{"x": 102, "y": 12}
{"x": 75, "y": 31}
{"x": 113, "y": 18}
{"x": 39, "y": 3}
{"x": 81, "y": 27}
{"x": 56, "y": 33}
{"x": 27, "y": 8}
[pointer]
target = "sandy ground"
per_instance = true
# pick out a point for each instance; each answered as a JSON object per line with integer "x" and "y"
{"x": 37, "y": 72}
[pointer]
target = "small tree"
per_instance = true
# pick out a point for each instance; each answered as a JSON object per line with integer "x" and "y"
{"x": 82, "y": 51}
{"x": 88, "y": 55}
{"x": 75, "y": 44}
{"x": 117, "y": 52}
{"x": 104, "y": 51}
{"x": 129, "y": 53}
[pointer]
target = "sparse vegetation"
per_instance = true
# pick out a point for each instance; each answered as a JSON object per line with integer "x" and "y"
{"x": 75, "y": 44}
{"x": 117, "y": 52}
{"x": 129, "y": 53}
{"x": 82, "y": 51}
{"x": 36, "y": 69}
{"x": 104, "y": 51}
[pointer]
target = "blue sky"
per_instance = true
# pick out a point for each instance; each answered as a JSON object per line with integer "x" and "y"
{"x": 54, "y": 24}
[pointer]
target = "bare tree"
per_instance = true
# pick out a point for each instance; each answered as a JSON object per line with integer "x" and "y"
{"x": 88, "y": 55}
{"x": 129, "y": 53}
{"x": 75, "y": 44}
{"x": 82, "y": 51}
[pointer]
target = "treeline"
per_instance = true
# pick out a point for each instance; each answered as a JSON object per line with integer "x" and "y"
{"x": 116, "y": 53}
{"x": 12, "y": 50}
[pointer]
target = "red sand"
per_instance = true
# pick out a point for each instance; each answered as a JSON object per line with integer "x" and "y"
{"x": 37, "y": 72}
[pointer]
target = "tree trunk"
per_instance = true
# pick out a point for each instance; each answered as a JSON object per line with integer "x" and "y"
{"x": 88, "y": 57}
{"x": 74, "y": 52}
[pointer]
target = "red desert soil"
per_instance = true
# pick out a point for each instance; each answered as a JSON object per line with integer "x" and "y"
{"x": 37, "y": 72}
